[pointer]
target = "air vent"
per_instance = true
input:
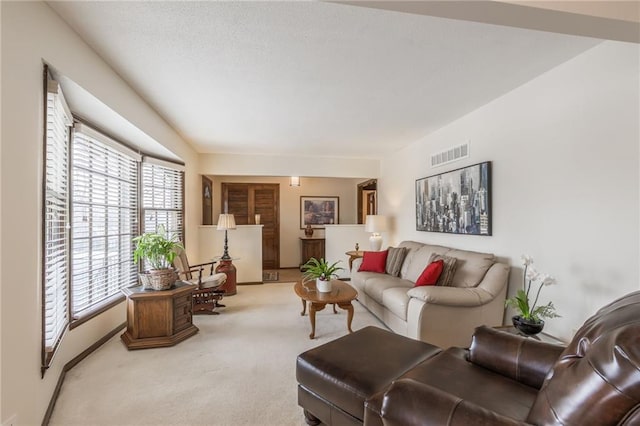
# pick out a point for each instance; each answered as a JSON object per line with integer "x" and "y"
{"x": 450, "y": 155}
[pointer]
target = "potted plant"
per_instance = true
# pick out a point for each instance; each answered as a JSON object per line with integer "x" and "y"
{"x": 530, "y": 319}
{"x": 159, "y": 252}
{"x": 322, "y": 272}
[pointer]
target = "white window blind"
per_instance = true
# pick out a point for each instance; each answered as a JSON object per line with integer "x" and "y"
{"x": 162, "y": 197}
{"x": 104, "y": 218}
{"x": 56, "y": 220}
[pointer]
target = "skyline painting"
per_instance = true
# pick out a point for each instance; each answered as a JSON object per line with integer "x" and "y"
{"x": 455, "y": 202}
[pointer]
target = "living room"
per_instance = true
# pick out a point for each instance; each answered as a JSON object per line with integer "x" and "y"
{"x": 564, "y": 146}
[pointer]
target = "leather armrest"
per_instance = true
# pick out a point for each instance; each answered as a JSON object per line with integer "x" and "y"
{"x": 521, "y": 358}
{"x": 451, "y": 296}
{"x": 408, "y": 402}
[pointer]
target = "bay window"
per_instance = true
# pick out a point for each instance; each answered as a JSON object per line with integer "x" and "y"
{"x": 55, "y": 243}
{"x": 98, "y": 194}
{"x": 104, "y": 193}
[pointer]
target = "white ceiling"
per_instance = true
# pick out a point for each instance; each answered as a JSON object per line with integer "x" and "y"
{"x": 302, "y": 78}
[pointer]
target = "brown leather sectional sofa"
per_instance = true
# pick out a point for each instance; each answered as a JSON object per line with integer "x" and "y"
{"x": 379, "y": 378}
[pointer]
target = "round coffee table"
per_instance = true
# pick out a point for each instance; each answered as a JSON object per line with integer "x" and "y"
{"x": 341, "y": 294}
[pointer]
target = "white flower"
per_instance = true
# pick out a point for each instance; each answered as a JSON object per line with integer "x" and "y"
{"x": 548, "y": 280}
{"x": 532, "y": 274}
{"x": 526, "y": 259}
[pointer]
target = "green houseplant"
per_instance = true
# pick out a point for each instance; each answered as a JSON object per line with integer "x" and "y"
{"x": 322, "y": 272}
{"x": 530, "y": 319}
{"x": 159, "y": 252}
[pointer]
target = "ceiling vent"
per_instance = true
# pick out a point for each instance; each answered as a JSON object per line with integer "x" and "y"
{"x": 450, "y": 155}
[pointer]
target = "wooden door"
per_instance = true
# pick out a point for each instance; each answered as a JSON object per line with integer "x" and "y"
{"x": 244, "y": 201}
{"x": 371, "y": 202}
{"x": 367, "y": 199}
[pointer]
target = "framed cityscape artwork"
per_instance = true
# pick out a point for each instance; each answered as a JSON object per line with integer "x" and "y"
{"x": 455, "y": 202}
{"x": 319, "y": 211}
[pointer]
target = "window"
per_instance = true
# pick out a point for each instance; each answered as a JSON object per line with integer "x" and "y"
{"x": 55, "y": 222}
{"x": 162, "y": 197}
{"x": 96, "y": 193}
{"x": 104, "y": 194}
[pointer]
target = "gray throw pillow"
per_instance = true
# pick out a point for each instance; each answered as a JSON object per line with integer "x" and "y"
{"x": 448, "y": 270}
{"x": 395, "y": 257}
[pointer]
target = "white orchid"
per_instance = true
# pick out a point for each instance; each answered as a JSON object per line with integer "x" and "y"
{"x": 526, "y": 259}
{"x": 529, "y": 311}
{"x": 532, "y": 274}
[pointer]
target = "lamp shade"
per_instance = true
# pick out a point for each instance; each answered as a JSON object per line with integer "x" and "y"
{"x": 226, "y": 221}
{"x": 294, "y": 181}
{"x": 375, "y": 223}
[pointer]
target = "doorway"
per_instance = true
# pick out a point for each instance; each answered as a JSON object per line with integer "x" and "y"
{"x": 207, "y": 201}
{"x": 367, "y": 199}
{"x": 245, "y": 201}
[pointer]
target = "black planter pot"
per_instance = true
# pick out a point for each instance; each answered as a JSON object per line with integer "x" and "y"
{"x": 527, "y": 327}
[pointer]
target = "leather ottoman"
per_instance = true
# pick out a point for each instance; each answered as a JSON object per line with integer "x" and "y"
{"x": 336, "y": 378}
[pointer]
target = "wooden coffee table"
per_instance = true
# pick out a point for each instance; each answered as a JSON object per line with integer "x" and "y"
{"x": 341, "y": 294}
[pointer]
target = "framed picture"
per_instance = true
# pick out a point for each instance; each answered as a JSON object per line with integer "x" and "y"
{"x": 455, "y": 202}
{"x": 319, "y": 211}
{"x": 207, "y": 206}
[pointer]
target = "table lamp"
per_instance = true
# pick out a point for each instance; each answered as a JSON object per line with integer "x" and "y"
{"x": 375, "y": 224}
{"x": 226, "y": 222}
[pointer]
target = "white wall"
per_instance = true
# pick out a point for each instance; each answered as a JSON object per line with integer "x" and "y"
{"x": 33, "y": 33}
{"x": 343, "y": 238}
{"x": 244, "y": 246}
{"x": 290, "y": 232}
{"x": 315, "y": 165}
{"x": 565, "y": 153}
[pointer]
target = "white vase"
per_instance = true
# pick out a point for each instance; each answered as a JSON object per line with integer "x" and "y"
{"x": 323, "y": 286}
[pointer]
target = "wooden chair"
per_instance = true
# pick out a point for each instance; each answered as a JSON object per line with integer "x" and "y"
{"x": 206, "y": 298}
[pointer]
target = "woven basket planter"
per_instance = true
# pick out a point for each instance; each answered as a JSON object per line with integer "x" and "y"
{"x": 158, "y": 279}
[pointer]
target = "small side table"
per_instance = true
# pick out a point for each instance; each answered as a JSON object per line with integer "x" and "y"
{"x": 228, "y": 268}
{"x": 158, "y": 318}
{"x": 353, "y": 255}
{"x": 341, "y": 294}
{"x": 543, "y": 337}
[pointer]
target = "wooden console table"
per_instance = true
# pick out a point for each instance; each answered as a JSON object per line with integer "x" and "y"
{"x": 158, "y": 318}
{"x": 311, "y": 247}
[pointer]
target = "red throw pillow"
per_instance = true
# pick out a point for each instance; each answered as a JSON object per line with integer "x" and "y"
{"x": 430, "y": 274}
{"x": 374, "y": 261}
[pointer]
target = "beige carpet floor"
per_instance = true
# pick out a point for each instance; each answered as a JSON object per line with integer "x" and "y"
{"x": 238, "y": 370}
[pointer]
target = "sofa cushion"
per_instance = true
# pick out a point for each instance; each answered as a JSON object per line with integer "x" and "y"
{"x": 374, "y": 286}
{"x": 419, "y": 259}
{"x": 412, "y": 247}
{"x": 395, "y": 258}
{"x": 374, "y": 261}
{"x": 448, "y": 269}
{"x": 471, "y": 267}
{"x": 396, "y": 300}
{"x": 431, "y": 273}
{"x": 359, "y": 278}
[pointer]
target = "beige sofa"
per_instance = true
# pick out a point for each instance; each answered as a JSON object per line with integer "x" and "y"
{"x": 442, "y": 316}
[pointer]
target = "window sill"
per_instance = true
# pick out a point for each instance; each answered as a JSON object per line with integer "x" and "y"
{"x": 96, "y": 310}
